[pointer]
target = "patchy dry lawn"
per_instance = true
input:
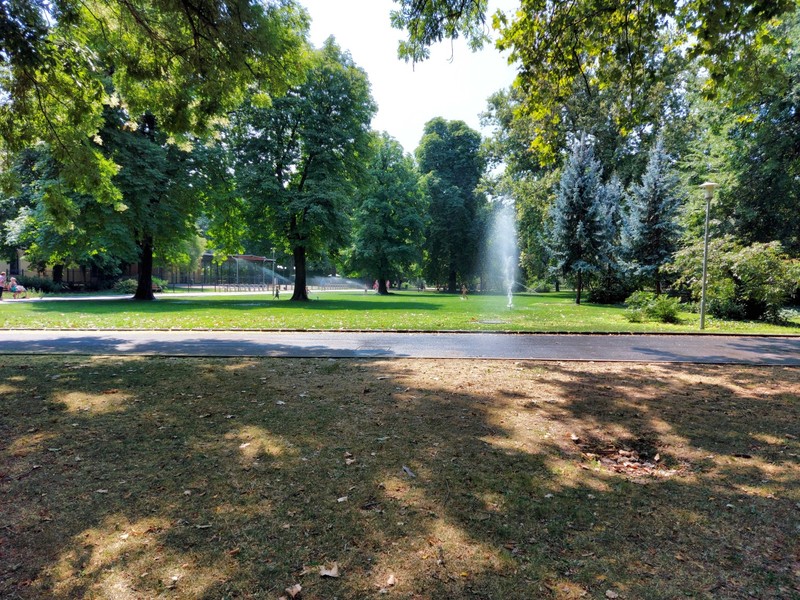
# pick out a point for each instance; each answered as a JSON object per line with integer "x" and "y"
{"x": 207, "y": 478}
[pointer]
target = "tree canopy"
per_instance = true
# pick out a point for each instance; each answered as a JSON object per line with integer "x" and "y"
{"x": 185, "y": 63}
{"x": 594, "y": 45}
{"x": 389, "y": 220}
{"x": 297, "y": 161}
{"x": 450, "y": 159}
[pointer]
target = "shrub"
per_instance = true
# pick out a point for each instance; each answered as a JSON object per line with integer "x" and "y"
{"x": 42, "y": 284}
{"x": 664, "y": 309}
{"x": 634, "y": 315}
{"x": 639, "y": 299}
{"x": 744, "y": 282}
{"x": 126, "y": 286}
{"x": 661, "y": 308}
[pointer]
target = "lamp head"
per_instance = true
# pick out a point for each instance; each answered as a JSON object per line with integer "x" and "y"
{"x": 708, "y": 187}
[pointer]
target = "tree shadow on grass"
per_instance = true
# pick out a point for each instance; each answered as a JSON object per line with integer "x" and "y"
{"x": 211, "y": 478}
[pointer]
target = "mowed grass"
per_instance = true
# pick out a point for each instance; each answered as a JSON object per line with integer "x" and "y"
{"x": 207, "y": 478}
{"x": 356, "y": 311}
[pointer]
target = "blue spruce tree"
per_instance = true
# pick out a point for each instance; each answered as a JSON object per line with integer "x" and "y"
{"x": 577, "y": 237}
{"x": 651, "y": 231}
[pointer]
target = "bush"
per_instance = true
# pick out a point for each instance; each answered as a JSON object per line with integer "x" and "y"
{"x": 664, "y": 309}
{"x": 640, "y": 299}
{"x": 646, "y": 304}
{"x": 610, "y": 289}
{"x": 128, "y": 286}
{"x": 634, "y": 315}
{"x": 727, "y": 308}
{"x": 42, "y": 284}
{"x": 744, "y": 282}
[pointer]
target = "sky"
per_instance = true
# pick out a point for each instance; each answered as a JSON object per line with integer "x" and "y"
{"x": 453, "y": 83}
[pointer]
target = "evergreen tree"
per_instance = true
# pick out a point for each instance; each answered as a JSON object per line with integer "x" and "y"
{"x": 651, "y": 230}
{"x": 611, "y": 286}
{"x": 577, "y": 233}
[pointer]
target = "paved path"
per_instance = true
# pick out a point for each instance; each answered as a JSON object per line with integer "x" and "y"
{"x": 757, "y": 350}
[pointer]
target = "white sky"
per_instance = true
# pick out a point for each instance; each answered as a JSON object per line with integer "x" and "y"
{"x": 453, "y": 83}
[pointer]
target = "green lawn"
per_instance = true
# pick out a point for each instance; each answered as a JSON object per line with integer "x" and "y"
{"x": 552, "y": 312}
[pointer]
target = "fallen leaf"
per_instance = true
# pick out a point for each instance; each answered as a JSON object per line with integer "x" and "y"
{"x": 611, "y": 594}
{"x": 349, "y": 461}
{"x": 342, "y": 499}
{"x": 110, "y": 391}
{"x": 333, "y": 571}
{"x": 408, "y": 471}
{"x": 294, "y": 590}
{"x": 391, "y": 581}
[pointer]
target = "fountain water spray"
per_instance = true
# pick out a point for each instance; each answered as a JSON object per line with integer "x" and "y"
{"x": 502, "y": 250}
{"x": 510, "y": 280}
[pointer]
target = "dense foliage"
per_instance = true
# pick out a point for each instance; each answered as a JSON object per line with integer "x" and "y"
{"x": 450, "y": 160}
{"x": 136, "y": 134}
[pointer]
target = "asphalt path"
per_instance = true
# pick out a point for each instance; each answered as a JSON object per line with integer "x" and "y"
{"x": 714, "y": 349}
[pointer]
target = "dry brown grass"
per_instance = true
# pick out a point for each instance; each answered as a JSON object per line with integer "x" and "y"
{"x": 237, "y": 478}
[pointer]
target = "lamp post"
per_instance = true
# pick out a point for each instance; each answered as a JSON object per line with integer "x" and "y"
{"x": 708, "y": 187}
{"x": 274, "y": 289}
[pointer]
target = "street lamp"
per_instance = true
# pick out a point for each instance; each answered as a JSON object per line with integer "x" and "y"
{"x": 274, "y": 289}
{"x": 708, "y": 187}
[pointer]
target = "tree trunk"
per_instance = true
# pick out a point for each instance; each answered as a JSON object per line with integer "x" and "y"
{"x": 144, "y": 289}
{"x": 578, "y": 287}
{"x": 658, "y": 284}
{"x": 383, "y": 290}
{"x": 451, "y": 282}
{"x": 300, "y": 292}
{"x": 58, "y": 273}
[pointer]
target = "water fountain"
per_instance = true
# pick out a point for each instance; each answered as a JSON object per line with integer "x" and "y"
{"x": 502, "y": 252}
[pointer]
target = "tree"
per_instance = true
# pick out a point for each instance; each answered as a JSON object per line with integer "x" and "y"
{"x": 157, "y": 211}
{"x": 576, "y": 236}
{"x": 184, "y": 63}
{"x": 389, "y": 222}
{"x": 651, "y": 230}
{"x": 750, "y": 145}
{"x": 298, "y": 161}
{"x": 449, "y": 157}
{"x": 594, "y": 44}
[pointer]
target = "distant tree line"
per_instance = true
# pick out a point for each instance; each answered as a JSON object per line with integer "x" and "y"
{"x": 132, "y": 137}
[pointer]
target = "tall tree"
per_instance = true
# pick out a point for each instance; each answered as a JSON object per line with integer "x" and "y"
{"x": 750, "y": 144}
{"x": 185, "y": 63}
{"x": 158, "y": 208}
{"x": 449, "y": 156}
{"x": 651, "y": 231}
{"x": 389, "y": 223}
{"x": 298, "y": 161}
{"x": 594, "y": 44}
{"x": 577, "y": 233}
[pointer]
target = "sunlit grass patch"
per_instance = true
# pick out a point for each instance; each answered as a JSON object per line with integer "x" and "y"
{"x": 406, "y": 310}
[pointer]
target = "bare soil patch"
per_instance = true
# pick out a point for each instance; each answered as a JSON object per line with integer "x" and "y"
{"x": 244, "y": 478}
